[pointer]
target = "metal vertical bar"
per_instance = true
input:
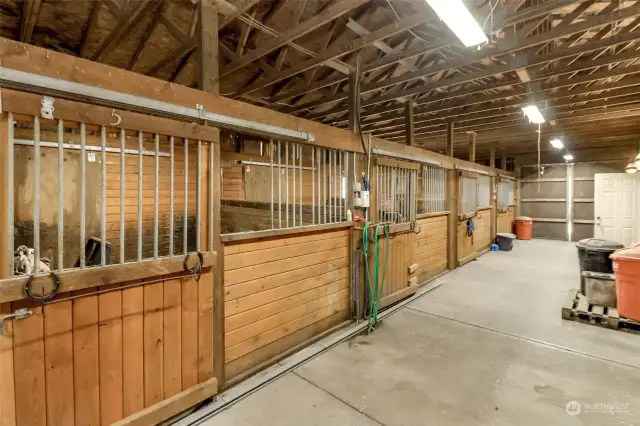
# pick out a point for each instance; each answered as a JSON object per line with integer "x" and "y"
{"x": 140, "y": 173}
{"x": 60, "y": 195}
{"x": 286, "y": 180}
{"x": 319, "y": 186}
{"x": 156, "y": 172}
{"x": 313, "y": 187}
{"x": 294, "y": 151}
{"x": 185, "y": 207}
{"x": 330, "y": 199}
{"x": 343, "y": 192}
{"x": 83, "y": 192}
{"x": 211, "y": 195}
{"x": 103, "y": 201}
{"x": 324, "y": 183}
{"x": 279, "y": 186}
{"x": 10, "y": 195}
{"x": 198, "y": 194}
{"x": 271, "y": 170}
{"x": 36, "y": 193}
{"x": 122, "y": 170}
{"x": 172, "y": 182}
{"x": 335, "y": 178}
{"x": 300, "y": 165}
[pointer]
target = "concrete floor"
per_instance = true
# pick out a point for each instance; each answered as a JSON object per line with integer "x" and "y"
{"x": 488, "y": 347}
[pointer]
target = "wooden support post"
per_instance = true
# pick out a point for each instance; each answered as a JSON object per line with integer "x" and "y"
{"x": 208, "y": 47}
{"x": 492, "y": 158}
{"x": 208, "y": 73}
{"x": 409, "y": 123}
{"x": 472, "y": 146}
{"x": 354, "y": 100}
{"x": 450, "y": 130}
{"x": 452, "y": 205}
{"x": 7, "y": 389}
{"x": 503, "y": 161}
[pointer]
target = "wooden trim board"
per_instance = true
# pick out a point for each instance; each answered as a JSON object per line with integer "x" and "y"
{"x": 168, "y": 408}
{"x": 12, "y": 289}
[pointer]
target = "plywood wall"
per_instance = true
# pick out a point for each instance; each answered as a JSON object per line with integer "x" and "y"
{"x": 430, "y": 247}
{"x": 99, "y": 358}
{"x": 280, "y": 292}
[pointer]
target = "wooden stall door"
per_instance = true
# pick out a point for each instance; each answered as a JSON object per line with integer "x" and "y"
{"x": 399, "y": 281}
{"x": 430, "y": 248}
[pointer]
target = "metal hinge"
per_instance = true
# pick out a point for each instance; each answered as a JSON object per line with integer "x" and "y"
{"x": 17, "y": 315}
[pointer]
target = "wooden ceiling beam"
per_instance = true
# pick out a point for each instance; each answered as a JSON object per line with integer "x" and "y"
{"x": 124, "y": 26}
{"x": 339, "y": 50}
{"x": 494, "y": 70}
{"x": 30, "y": 13}
{"x": 86, "y": 34}
{"x": 334, "y": 11}
{"x": 485, "y": 104}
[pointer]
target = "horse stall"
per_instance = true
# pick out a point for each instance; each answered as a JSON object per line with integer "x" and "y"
{"x": 160, "y": 243}
{"x": 118, "y": 316}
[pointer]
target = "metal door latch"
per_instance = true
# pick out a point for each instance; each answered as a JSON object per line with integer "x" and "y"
{"x": 17, "y": 315}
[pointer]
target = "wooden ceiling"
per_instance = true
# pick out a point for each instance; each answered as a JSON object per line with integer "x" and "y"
{"x": 575, "y": 59}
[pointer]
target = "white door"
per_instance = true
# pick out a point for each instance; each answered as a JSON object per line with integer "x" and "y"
{"x": 616, "y": 207}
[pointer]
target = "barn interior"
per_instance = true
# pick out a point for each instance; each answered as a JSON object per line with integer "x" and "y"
{"x": 213, "y": 208}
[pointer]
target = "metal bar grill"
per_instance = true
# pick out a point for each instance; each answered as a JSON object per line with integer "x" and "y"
{"x": 279, "y": 185}
{"x": 313, "y": 187}
{"x": 198, "y": 192}
{"x": 140, "y": 196}
{"x": 286, "y": 181}
{"x": 433, "y": 190}
{"x": 271, "y": 176}
{"x": 171, "y": 192}
{"x": 60, "y": 135}
{"x": 156, "y": 183}
{"x": 300, "y": 177}
{"x": 294, "y": 152}
{"x": 103, "y": 196}
{"x": 11, "y": 194}
{"x": 122, "y": 170}
{"x": 83, "y": 193}
{"x": 185, "y": 212}
{"x": 211, "y": 195}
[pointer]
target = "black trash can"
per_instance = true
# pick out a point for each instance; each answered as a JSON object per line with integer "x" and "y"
{"x": 593, "y": 255}
{"x": 505, "y": 241}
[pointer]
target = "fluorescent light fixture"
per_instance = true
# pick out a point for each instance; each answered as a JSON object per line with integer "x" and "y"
{"x": 568, "y": 157}
{"x": 638, "y": 162}
{"x": 459, "y": 20}
{"x": 631, "y": 168}
{"x": 557, "y": 143}
{"x": 533, "y": 114}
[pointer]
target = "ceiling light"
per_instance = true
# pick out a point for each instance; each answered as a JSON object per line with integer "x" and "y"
{"x": 631, "y": 168}
{"x": 568, "y": 157}
{"x": 638, "y": 162}
{"x": 533, "y": 114}
{"x": 557, "y": 143}
{"x": 459, "y": 20}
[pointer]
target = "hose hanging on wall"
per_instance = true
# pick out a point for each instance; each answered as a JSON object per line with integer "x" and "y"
{"x": 376, "y": 285}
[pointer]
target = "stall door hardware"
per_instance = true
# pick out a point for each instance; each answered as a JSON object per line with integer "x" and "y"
{"x": 19, "y": 314}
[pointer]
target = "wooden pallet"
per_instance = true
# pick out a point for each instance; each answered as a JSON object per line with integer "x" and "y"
{"x": 577, "y": 308}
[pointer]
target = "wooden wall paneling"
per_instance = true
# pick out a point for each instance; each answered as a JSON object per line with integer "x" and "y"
{"x": 28, "y": 352}
{"x": 86, "y": 360}
{"x": 172, "y": 337}
{"x": 206, "y": 324}
{"x": 153, "y": 344}
{"x": 133, "y": 347}
{"x": 279, "y": 287}
{"x": 219, "y": 273}
{"x": 110, "y": 356}
{"x": 430, "y": 247}
{"x": 189, "y": 334}
{"x": 58, "y": 349}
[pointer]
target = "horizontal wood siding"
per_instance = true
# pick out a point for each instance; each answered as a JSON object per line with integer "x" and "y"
{"x": 279, "y": 287}
{"x": 430, "y": 247}
{"x": 99, "y": 358}
{"x": 482, "y": 232}
{"x": 398, "y": 261}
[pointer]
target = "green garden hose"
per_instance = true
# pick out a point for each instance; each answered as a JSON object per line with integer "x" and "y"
{"x": 376, "y": 287}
